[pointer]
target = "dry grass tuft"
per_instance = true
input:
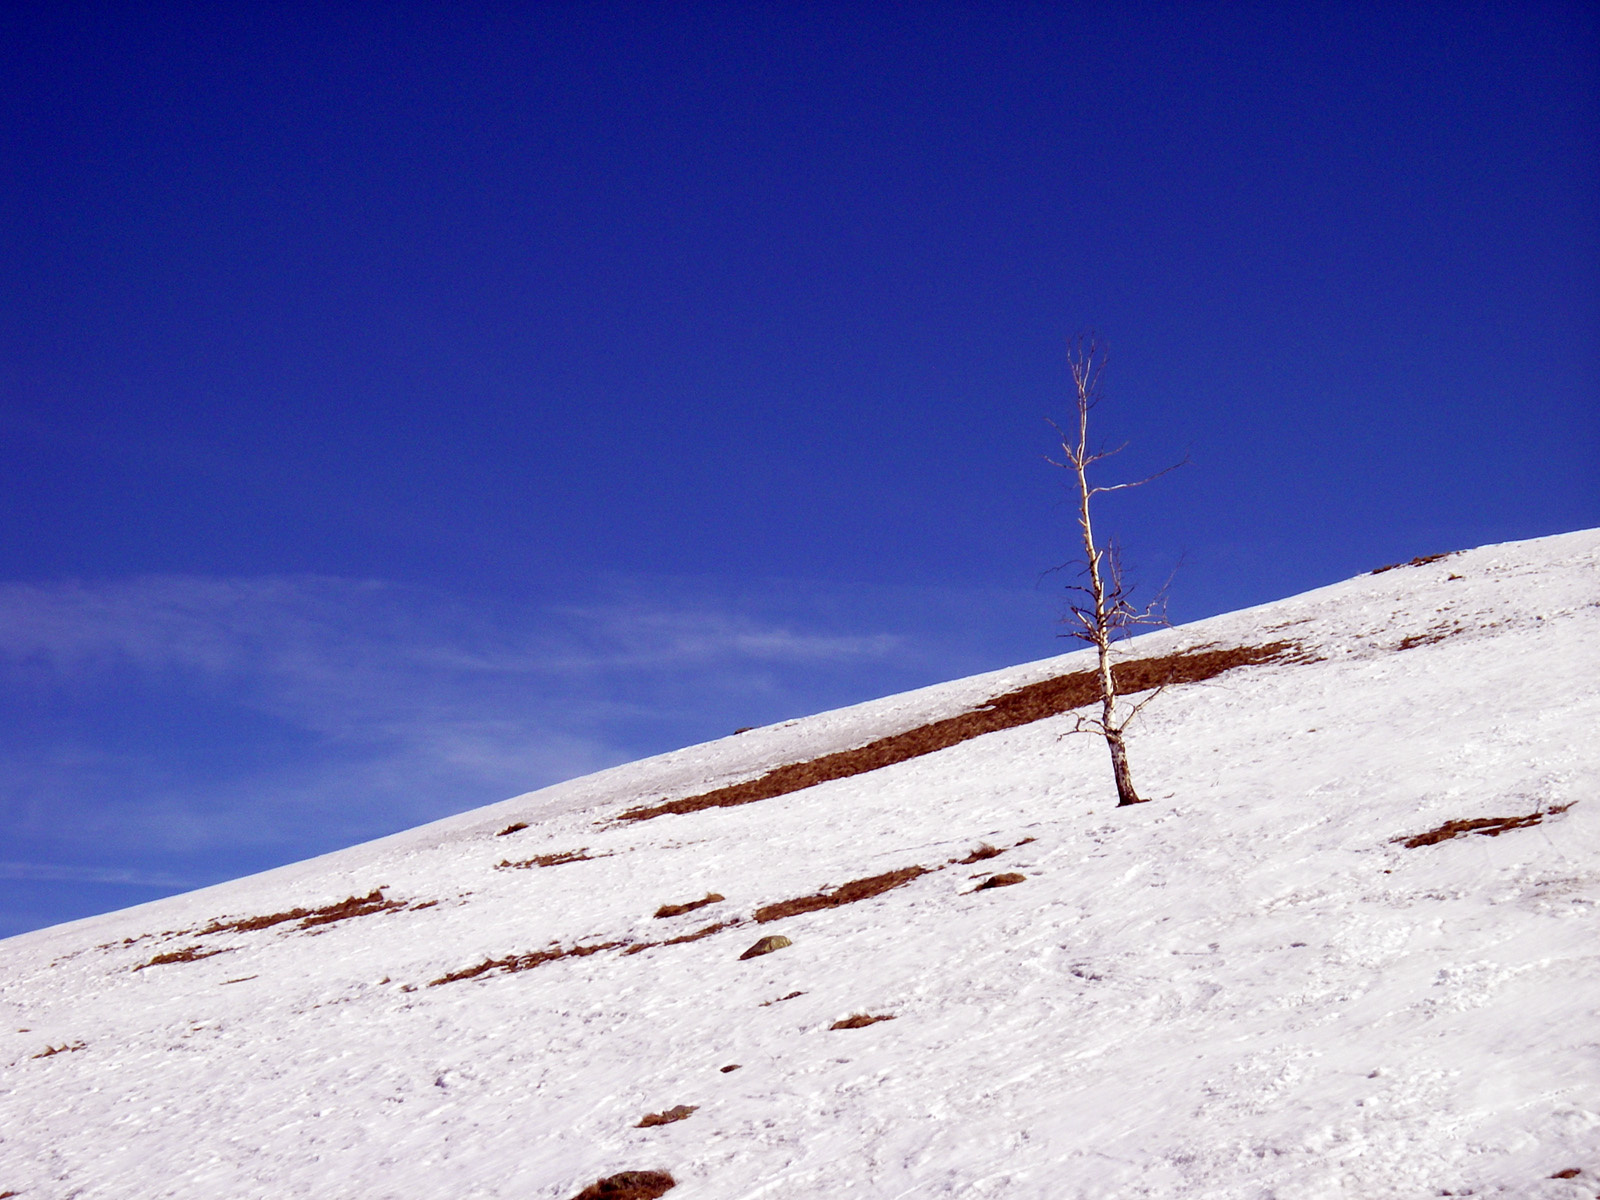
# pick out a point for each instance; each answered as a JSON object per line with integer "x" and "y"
{"x": 860, "y": 1021}
{"x": 1048, "y": 698}
{"x": 702, "y": 933}
{"x": 52, "y": 1051}
{"x": 1487, "y": 826}
{"x": 514, "y": 827}
{"x": 187, "y": 954}
{"x": 677, "y": 910}
{"x": 512, "y": 963}
{"x": 550, "y": 860}
{"x": 983, "y": 851}
{"x": 1437, "y": 634}
{"x": 856, "y": 889}
{"x": 677, "y": 1112}
{"x": 995, "y": 881}
{"x": 641, "y": 947}
{"x": 309, "y": 918}
{"x": 629, "y": 1185}
{"x": 1421, "y": 560}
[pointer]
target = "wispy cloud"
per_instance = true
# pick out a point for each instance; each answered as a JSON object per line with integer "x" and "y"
{"x": 52, "y": 873}
{"x": 181, "y": 727}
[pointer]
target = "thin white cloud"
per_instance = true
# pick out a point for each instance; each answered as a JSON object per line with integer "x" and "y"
{"x": 389, "y": 705}
{"x": 54, "y": 873}
{"x": 317, "y": 628}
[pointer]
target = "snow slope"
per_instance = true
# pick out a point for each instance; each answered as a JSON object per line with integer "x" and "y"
{"x": 1244, "y": 989}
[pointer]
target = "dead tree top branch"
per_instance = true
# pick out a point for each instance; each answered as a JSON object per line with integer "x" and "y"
{"x": 1107, "y": 611}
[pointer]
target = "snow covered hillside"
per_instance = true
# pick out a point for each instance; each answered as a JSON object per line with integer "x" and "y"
{"x": 1350, "y": 949}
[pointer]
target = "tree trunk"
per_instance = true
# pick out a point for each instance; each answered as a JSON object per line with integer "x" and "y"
{"x": 1119, "y": 768}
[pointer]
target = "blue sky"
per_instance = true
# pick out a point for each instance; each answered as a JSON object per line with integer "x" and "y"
{"x": 403, "y": 406}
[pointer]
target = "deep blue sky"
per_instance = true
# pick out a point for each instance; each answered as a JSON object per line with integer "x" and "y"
{"x": 402, "y": 407}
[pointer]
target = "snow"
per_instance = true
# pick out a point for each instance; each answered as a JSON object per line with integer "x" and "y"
{"x": 1243, "y": 989}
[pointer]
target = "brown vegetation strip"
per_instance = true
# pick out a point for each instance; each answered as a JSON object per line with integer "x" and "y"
{"x": 859, "y": 1021}
{"x": 629, "y": 1185}
{"x": 187, "y": 954}
{"x": 1437, "y": 634}
{"x": 997, "y": 881}
{"x": 1048, "y": 698}
{"x": 1421, "y": 560}
{"x": 52, "y": 1051}
{"x": 856, "y": 889}
{"x": 352, "y": 906}
{"x": 1487, "y": 826}
{"x": 514, "y": 827}
{"x": 982, "y": 852}
{"x": 677, "y": 1112}
{"x": 640, "y": 947}
{"x": 512, "y": 963}
{"x": 677, "y": 910}
{"x": 702, "y": 933}
{"x": 550, "y": 860}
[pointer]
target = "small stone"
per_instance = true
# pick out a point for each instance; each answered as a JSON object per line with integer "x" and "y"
{"x": 730, "y": 1067}
{"x": 766, "y": 946}
{"x": 995, "y": 881}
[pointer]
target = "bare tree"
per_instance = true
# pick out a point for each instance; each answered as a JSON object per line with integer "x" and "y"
{"x": 1106, "y": 613}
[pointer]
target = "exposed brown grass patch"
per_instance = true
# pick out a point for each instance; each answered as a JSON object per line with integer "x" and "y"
{"x": 1421, "y": 560}
{"x": 982, "y": 852}
{"x": 1487, "y": 826}
{"x": 1437, "y": 634}
{"x": 641, "y": 947}
{"x": 512, "y": 963}
{"x": 309, "y": 918}
{"x": 550, "y": 860}
{"x": 779, "y": 1000}
{"x": 187, "y": 954}
{"x": 354, "y": 906}
{"x": 677, "y": 1112}
{"x": 702, "y": 933}
{"x": 629, "y": 1185}
{"x": 677, "y": 910}
{"x": 1569, "y": 1173}
{"x": 849, "y": 893}
{"x": 514, "y": 827}
{"x": 1048, "y": 698}
{"x": 52, "y": 1051}
{"x": 997, "y": 881}
{"x": 860, "y": 1021}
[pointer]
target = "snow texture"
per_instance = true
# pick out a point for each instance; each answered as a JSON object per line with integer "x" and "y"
{"x": 1246, "y": 988}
